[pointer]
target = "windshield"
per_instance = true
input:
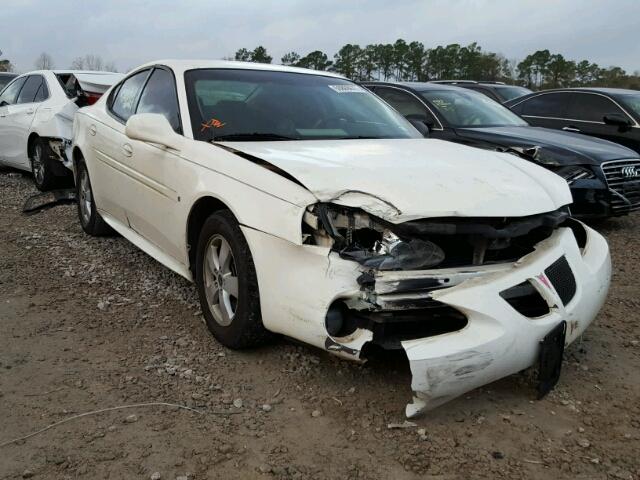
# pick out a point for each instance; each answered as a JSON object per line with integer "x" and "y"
{"x": 510, "y": 92}
{"x": 465, "y": 108}
{"x": 631, "y": 101}
{"x": 254, "y": 105}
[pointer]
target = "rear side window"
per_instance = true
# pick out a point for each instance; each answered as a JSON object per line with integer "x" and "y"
{"x": 10, "y": 94}
{"x": 30, "y": 89}
{"x": 590, "y": 107}
{"x": 43, "y": 93}
{"x": 124, "y": 104}
{"x": 160, "y": 96}
{"x": 547, "y": 105}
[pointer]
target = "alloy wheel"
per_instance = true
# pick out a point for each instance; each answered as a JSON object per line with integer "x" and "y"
{"x": 85, "y": 199}
{"x": 220, "y": 280}
{"x": 38, "y": 164}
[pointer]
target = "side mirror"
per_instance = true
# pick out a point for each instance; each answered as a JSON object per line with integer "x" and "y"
{"x": 153, "y": 128}
{"x": 617, "y": 119}
{"x": 419, "y": 122}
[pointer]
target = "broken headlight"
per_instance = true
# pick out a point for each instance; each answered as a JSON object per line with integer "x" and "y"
{"x": 571, "y": 174}
{"x": 360, "y": 237}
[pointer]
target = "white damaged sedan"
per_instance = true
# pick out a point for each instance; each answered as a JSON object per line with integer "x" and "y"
{"x": 301, "y": 204}
{"x": 36, "y": 120}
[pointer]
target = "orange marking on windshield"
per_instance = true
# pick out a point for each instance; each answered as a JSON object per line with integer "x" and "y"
{"x": 213, "y": 123}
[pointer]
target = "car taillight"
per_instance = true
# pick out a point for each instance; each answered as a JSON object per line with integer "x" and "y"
{"x": 92, "y": 97}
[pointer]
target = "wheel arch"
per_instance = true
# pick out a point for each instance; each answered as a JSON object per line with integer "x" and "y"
{"x": 76, "y": 157}
{"x": 33, "y": 136}
{"x": 200, "y": 211}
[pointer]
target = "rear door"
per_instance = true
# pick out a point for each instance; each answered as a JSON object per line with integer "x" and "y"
{"x": 19, "y": 119}
{"x": 545, "y": 110}
{"x": 110, "y": 175}
{"x": 586, "y": 113}
{"x": 7, "y": 100}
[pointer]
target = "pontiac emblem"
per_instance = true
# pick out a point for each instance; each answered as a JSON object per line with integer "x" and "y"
{"x": 630, "y": 172}
{"x": 544, "y": 280}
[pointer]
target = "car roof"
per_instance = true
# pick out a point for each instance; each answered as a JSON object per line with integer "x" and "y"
{"x": 92, "y": 72}
{"x": 418, "y": 86}
{"x": 488, "y": 83}
{"x": 184, "y": 65}
{"x": 63, "y": 72}
{"x": 604, "y": 90}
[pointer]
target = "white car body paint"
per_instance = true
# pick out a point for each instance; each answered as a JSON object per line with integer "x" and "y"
{"x": 51, "y": 119}
{"x": 346, "y": 172}
{"x": 148, "y": 197}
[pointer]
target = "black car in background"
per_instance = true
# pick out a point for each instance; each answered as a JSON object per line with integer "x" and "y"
{"x": 5, "y": 78}
{"x": 597, "y": 171}
{"x": 609, "y": 113}
{"x": 498, "y": 91}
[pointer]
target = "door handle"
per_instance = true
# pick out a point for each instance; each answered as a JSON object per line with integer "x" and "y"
{"x": 30, "y": 111}
{"x": 92, "y": 130}
{"x": 571, "y": 129}
{"x": 128, "y": 151}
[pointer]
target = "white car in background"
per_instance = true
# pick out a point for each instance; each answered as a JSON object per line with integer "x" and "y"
{"x": 301, "y": 204}
{"x": 36, "y": 119}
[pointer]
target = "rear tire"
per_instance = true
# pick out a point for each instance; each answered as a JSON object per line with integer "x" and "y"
{"x": 227, "y": 284}
{"x": 90, "y": 220}
{"x": 43, "y": 175}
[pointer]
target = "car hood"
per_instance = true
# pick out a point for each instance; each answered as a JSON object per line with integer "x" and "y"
{"x": 553, "y": 147}
{"x": 406, "y": 179}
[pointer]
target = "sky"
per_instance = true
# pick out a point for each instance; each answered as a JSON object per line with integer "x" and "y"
{"x": 132, "y": 32}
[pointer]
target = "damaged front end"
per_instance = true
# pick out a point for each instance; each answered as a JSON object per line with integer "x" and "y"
{"x": 457, "y": 294}
{"x": 403, "y": 265}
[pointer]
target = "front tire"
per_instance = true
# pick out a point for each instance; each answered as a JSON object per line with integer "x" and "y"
{"x": 43, "y": 176}
{"x": 227, "y": 284}
{"x": 90, "y": 220}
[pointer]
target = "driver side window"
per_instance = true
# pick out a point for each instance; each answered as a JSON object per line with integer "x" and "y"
{"x": 159, "y": 96}
{"x": 126, "y": 97}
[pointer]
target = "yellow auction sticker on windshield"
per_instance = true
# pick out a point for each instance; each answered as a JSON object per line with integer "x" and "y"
{"x": 348, "y": 88}
{"x": 213, "y": 123}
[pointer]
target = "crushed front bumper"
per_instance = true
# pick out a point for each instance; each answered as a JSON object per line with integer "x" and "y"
{"x": 498, "y": 341}
{"x": 298, "y": 285}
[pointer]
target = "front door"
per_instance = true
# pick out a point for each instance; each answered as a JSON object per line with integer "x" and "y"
{"x": 154, "y": 170}
{"x": 587, "y": 112}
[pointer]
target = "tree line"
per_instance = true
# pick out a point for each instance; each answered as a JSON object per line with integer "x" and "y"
{"x": 45, "y": 62}
{"x": 402, "y": 61}
{"x": 412, "y": 61}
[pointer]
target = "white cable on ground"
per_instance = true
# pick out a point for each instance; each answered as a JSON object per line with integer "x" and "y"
{"x": 150, "y": 404}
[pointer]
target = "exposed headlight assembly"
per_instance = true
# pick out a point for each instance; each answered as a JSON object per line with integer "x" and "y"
{"x": 357, "y": 236}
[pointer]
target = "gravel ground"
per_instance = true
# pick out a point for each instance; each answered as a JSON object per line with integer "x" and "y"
{"x": 89, "y": 324}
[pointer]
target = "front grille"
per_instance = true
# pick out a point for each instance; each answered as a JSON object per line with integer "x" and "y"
{"x": 623, "y": 184}
{"x": 562, "y": 279}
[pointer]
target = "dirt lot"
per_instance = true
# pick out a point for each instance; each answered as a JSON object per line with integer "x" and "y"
{"x": 88, "y": 324}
